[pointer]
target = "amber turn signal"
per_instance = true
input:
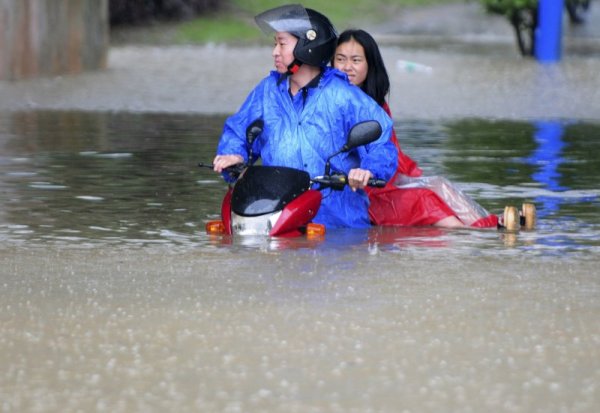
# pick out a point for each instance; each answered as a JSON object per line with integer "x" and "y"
{"x": 215, "y": 227}
{"x": 315, "y": 230}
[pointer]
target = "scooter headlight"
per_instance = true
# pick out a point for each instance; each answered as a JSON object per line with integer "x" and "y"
{"x": 259, "y": 225}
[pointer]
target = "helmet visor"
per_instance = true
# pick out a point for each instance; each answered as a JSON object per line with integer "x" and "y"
{"x": 291, "y": 18}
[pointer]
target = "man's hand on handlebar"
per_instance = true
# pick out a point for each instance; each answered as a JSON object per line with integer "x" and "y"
{"x": 223, "y": 161}
{"x": 358, "y": 178}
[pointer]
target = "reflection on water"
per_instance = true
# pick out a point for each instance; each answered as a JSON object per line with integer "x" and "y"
{"x": 102, "y": 178}
{"x": 548, "y": 156}
{"x": 112, "y": 298}
{"x": 107, "y": 178}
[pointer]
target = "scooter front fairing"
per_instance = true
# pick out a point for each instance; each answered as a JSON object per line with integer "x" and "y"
{"x": 275, "y": 201}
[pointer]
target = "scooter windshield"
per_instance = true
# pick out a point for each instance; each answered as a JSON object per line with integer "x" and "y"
{"x": 267, "y": 189}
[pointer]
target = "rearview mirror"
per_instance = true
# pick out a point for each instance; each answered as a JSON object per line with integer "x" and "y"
{"x": 253, "y": 130}
{"x": 362, "y": 133}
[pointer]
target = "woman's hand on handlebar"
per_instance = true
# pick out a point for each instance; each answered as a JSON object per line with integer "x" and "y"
{"x": 223, "y": 161}
{"x": 358, "y": 178}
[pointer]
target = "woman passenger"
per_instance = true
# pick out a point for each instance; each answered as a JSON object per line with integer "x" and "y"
{"x": 408, "y": 199}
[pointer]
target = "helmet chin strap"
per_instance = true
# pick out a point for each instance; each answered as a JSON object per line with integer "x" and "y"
{"x": 291, "y": 69}
{"x": 294, "y": 67}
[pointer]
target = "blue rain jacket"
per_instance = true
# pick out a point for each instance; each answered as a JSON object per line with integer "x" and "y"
{"x": 301, "y": 132}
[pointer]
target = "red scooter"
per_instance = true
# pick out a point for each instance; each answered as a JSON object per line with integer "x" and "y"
{"x": 280, "y": 201}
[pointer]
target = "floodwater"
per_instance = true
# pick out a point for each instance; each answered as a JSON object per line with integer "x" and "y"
{"x": 112, "y": 298}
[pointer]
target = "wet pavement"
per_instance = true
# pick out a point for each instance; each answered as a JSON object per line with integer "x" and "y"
{"x": 476, "y": 71}
{"x": 468, "y": 22}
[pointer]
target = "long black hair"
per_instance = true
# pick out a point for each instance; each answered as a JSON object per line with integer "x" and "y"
{"x": 377, "y": 83}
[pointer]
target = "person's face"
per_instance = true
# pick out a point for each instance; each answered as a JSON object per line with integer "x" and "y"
{"x": 350, "y": 59}
{"x": 283, "y": 52}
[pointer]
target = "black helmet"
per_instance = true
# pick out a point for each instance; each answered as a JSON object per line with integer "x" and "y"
{"x": 316, "y": 35}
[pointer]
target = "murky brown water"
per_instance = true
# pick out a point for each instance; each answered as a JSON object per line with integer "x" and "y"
{"x": 113, "y": 299}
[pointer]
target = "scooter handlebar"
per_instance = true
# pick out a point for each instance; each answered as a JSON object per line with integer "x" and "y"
{"x": 233, "y": 170}
{"x": 334, "y": 181}
{"x": 236, "y": 170}
{"x": 339, "y": 181}
{"x": 377, "y": 183}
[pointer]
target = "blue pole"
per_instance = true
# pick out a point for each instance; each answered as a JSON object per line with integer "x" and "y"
{"x": 549, "y": 31}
